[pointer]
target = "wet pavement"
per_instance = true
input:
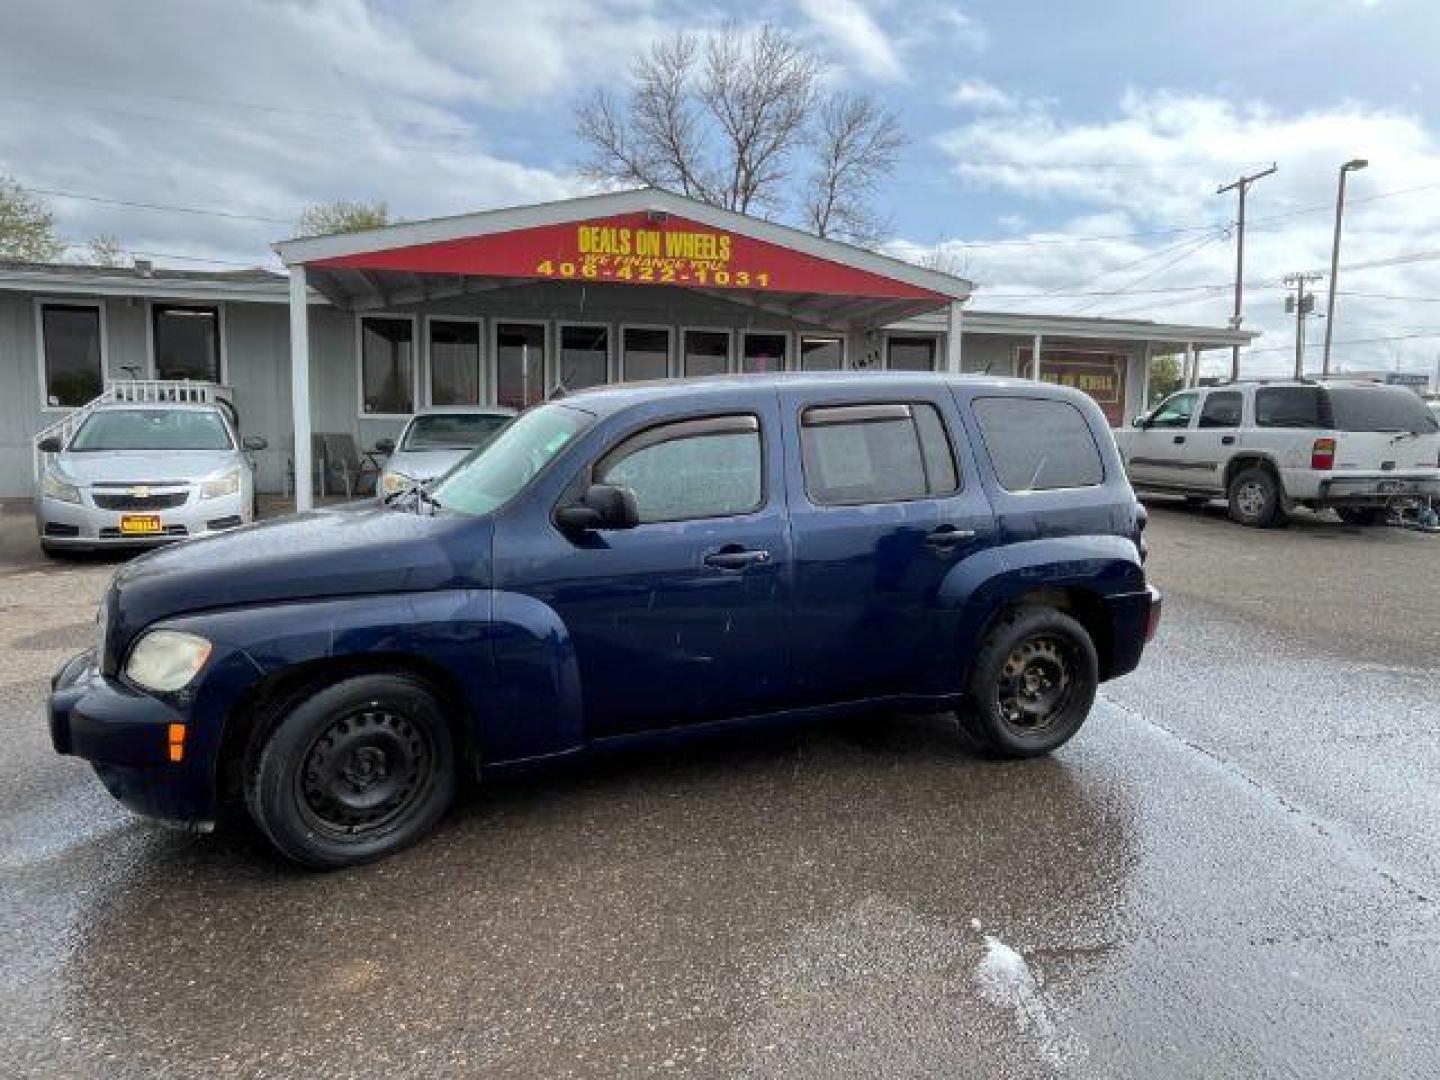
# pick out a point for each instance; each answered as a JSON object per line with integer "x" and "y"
{"x": 1233, "y": 870}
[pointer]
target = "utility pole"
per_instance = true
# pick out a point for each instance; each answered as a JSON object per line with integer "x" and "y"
{"x": 1242, "y": 185}
{"x": 1349, "y": 167}
{"x": 1302, "y": 304}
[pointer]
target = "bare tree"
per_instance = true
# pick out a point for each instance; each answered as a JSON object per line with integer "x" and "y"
{"x": 855, "y": 142}
{"x": 342, "y": 216}
{"x": 945, "y": 260}
{"x": 106, "y": 250}
{"x": 724, "y": 118}
{"x": 27, "y": 226}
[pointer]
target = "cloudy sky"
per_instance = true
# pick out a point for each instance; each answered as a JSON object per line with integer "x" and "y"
{"x": 1067, "y": 154}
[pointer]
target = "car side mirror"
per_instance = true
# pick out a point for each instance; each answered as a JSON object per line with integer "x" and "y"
{"x": 1141, "y": 421}
{"x": 49, "y": 445}
{"x": 254, "y": 442}
{"x": 603, "y": 506}
{"x": 385, "y": 446}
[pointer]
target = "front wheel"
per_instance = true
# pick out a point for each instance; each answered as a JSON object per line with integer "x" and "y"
{"x": 1032, "y": 685}
{"x": 354, "y": 772}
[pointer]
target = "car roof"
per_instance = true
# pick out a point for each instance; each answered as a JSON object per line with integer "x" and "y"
{"x": 604, "y": 400}
{"x": 465, "y": 410}
{"x": 158, "y": 406}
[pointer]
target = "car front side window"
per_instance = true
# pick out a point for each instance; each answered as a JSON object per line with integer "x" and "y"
{"x": 1175, "y": 413}
{"x": 690, "y": 469}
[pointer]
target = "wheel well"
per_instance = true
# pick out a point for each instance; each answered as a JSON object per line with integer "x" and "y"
{"x": 1248, "y": 461}
{"x": 1082, "y": 605}
{"x": 272, "y": 696}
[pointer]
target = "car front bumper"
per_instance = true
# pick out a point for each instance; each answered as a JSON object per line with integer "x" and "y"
{"x": 125, "y": 735}
{"x": 84, "y": 526}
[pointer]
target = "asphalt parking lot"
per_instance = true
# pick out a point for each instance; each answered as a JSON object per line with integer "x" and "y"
{"x": 1233, "y": 871}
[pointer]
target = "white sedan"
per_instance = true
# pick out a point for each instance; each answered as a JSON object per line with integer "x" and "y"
{"x": 433, "y": 441}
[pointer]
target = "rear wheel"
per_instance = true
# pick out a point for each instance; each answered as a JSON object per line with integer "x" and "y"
{"x": 1361, "y": 515}
{"x": 1032, "y": 685}
{"x": 1255, "y": 498}
{"x": 356, "y": 771}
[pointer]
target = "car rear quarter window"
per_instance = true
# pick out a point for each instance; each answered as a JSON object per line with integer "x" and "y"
{"x": 1290, "y": 407}
{"x": 1379, "y": 408}
{"x": 1038, "y": 444}
{"x": 855, "y": 454}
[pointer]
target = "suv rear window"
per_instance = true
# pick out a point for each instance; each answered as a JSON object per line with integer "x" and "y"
{"x": 875, "y": 453}
{"x": 1038, "y": 444}
{"x": 1379, "y": 408}
{"x": 1289, "y": 407}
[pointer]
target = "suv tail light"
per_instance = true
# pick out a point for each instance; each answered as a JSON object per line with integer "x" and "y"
{"x": 1322, "y": 454}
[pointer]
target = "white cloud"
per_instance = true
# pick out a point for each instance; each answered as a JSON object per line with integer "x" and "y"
{"x": 1152, "y": 168}
{"x": 979, "y": 95}
{"x": 851, "y": 31}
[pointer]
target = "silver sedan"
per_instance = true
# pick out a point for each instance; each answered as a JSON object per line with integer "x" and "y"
{"x": 434, "y": 441}
{"x": 139, "y": 475}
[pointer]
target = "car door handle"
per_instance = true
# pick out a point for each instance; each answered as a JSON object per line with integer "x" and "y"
{"x": 947, "y": 536}
{"x": 1228, "y": 440}
{"x": 1179, "y": 438}
{"x": 736, "y": 558}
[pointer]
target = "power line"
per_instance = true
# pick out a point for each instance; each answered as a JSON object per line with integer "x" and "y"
{"x": 1358, "y": 341}
{"x": 1388, "y": 296}
{"x": 159, "y": 206}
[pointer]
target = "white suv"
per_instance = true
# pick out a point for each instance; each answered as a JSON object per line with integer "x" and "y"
{"x": 1348, "y": 446}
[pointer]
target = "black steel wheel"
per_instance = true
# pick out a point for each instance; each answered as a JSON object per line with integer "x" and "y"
{"x": 1032, "y": 684}
{"x": 354, "y": 772}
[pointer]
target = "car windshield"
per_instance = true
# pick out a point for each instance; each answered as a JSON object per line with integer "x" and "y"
{"x": 152, "y": 429}
{"x": 1380, "y": 408}
{"x": 487, "y": 478}
{"x": 452, "y": 431}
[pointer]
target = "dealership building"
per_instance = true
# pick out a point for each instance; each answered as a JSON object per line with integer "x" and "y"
{"x": 504, "y": 307}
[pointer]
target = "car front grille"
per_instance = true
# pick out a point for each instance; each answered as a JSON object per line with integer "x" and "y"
{"x": 128, "y": 500}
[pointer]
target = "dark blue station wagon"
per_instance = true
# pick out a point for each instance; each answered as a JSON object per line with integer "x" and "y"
{"x": 617, "y": 565}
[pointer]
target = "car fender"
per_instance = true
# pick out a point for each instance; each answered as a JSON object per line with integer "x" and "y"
{"x": 981, "y": 585}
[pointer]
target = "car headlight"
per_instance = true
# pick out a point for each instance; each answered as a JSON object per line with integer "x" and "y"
{"x": 393, "y": 483}
{"x": 227, "y": 483}
{"x": 166, "y": 660}
{"x": 56, "y": 488}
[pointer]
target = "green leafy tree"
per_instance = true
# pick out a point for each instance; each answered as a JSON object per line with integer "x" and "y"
{"x": 27, "y": 226}
{"x": 344, "y": 215}
{"x": 1164, "y": 378}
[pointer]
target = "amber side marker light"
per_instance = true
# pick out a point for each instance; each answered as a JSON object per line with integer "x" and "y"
{"x": 175, "y": 734}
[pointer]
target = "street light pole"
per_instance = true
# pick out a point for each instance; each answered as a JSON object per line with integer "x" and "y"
{"x": 1350, "y": 166}
{"x": 1241, "y": 186}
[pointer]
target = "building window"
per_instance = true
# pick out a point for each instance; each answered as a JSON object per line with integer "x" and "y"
{"x": 707, "y": 352}
{"x": 71, "y": 346}
{"x": 910, "y": 353}
{"x": 644, "y": 353}
{"x": 454, "y": 363}
{"x": 584, "y": 356}
{"x": 186, "y": 342}
{"x": 519, "y": 364}
{"x": 387, "y": 366}
{"x": 763, "y": 352}
{"x": 821, "y": 354}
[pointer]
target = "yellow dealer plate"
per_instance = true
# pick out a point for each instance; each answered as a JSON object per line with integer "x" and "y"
{"x": 140, "y": 524}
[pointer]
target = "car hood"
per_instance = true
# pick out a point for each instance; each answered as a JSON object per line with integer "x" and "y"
{"x": 423, "y": 464}
{"x": 358, "y": 549}
{"x": 143, "y": 466}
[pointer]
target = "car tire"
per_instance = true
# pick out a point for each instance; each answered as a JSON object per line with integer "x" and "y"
{"x": 1032, "y": 684}
{"x": 353, "y": 772}
{"x": 1255, "y": 498}
{"x": 1361, "y": 515}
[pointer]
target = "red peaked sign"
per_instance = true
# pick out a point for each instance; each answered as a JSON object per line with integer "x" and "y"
{"x": 633, "y": 249}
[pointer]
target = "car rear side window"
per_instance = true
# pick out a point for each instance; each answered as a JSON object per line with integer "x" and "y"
{"x": 875, "y": 453}
{"x": 1289, "y": 407}
{"x": 1038, "y": 444}
{"x": 690, "y": 469}
{"x": 1221, "y": 409}
{"x": 1379, "y": 408}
